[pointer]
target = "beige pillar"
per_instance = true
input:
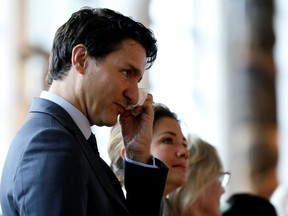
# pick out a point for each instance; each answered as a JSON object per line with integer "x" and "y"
{"x": 252, "y": 131}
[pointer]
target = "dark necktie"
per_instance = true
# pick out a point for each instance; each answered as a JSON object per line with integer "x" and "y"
{"x": 93, "y": 143}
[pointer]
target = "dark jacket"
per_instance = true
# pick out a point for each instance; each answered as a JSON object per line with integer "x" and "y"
{"x": 51, "y": 170}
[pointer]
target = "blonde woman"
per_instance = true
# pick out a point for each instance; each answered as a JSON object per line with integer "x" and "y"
{"x": 200, "y": 196}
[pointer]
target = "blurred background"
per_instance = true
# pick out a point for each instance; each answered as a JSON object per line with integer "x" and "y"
{"x": 221, "y": 67}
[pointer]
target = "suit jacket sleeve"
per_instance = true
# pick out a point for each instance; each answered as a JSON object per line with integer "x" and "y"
{"x": 144, "y": 188}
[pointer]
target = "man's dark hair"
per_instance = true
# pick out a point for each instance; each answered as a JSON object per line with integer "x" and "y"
{"x": 101, "y": 30}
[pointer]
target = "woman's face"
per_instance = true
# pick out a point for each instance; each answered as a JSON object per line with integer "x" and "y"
{"x": 169, "y": 145}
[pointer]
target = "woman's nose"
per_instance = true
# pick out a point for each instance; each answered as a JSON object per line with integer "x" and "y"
{"x": 183, "y": 152}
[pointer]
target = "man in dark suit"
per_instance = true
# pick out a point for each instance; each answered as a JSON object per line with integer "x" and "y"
{"x": 53, "y": 166}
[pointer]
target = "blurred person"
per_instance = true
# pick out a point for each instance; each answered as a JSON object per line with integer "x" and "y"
{"x": 53, "y": 166}
{"x": 168, "y": 145}
{"x": 201, "y": 194}
{"x": 249, "y": 205}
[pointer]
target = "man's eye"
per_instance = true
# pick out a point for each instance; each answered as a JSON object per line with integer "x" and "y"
{"x": 126, "y": 73}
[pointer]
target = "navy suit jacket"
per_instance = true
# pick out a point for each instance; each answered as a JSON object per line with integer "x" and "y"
{"x": 51, "y": 170}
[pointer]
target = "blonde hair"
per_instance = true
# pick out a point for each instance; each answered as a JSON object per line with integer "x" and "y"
{"x": 204, "y": 166}
{"x": 116, "y": 143}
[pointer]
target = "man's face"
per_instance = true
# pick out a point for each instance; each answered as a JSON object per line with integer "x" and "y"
{"x": 111, "y": 85}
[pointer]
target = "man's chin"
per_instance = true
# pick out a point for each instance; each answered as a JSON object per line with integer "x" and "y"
{"x": 111, "y": 122}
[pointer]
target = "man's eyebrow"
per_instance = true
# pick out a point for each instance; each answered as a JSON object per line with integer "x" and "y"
{"x": 135, "y": 70}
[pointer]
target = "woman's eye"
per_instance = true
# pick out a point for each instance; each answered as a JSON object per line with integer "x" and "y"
{"x": 168, "y": 141}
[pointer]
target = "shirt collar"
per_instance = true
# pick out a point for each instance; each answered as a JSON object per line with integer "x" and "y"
{"x": 78, "y": 117}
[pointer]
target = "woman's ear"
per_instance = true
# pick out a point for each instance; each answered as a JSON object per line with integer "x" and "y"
{"x": 122, "y": 152}
{"x": 79, "y": 58}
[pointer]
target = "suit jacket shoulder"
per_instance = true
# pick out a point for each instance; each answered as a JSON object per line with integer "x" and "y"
{"x": 51, "y": 170}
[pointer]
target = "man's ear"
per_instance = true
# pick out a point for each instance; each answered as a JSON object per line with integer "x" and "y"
{"x": 79, "y": 58}
{"x": 122, "y": 152}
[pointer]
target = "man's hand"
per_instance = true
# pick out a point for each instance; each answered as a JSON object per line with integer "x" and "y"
{"x": 137, "y": 129}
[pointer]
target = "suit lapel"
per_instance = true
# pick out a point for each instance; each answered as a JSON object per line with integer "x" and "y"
{"x": 99, "y": 166}
{"x": 104, "y": 174}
